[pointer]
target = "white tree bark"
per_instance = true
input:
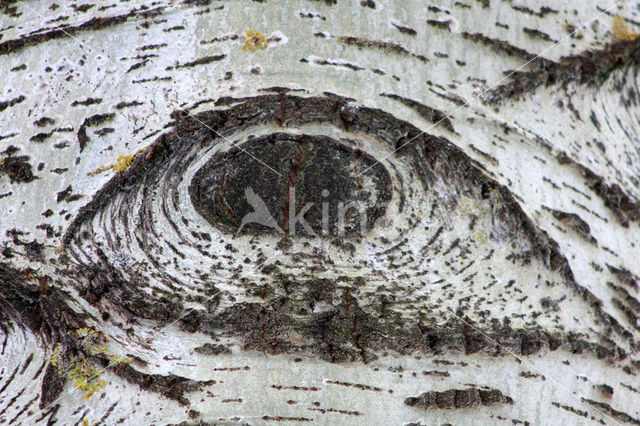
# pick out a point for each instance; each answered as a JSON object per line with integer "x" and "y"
{"x": 494, "y": 143}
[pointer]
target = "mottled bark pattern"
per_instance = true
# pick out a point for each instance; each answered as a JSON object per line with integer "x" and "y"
{"x": 490, "y": 276}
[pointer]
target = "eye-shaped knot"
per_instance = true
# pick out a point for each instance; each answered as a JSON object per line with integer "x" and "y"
{"x": 265, "y": 198}
{"x": 303, "y": 183}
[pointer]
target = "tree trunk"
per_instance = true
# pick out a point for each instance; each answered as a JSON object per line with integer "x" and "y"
{"x": 335, "y": 212}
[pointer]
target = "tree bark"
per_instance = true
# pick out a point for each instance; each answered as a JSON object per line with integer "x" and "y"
{"x": 324, "y": 212}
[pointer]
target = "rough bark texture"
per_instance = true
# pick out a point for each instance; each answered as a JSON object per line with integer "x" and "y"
{"x": 487, "y": 272}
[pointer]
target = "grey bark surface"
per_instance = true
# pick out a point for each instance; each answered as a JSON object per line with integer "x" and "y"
{"x": 493, "y": 146}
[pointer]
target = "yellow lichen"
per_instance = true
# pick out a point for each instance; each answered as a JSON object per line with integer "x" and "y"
{"x": 55, "y": 357}
{"x": 481, "y": 236}
{"x": 122, "y": 163}
{"x": 85, "y": 369}
{"x": 471, "y": 207}
{"x": 621, "y": 30}
{"x": 254, "y": 40}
